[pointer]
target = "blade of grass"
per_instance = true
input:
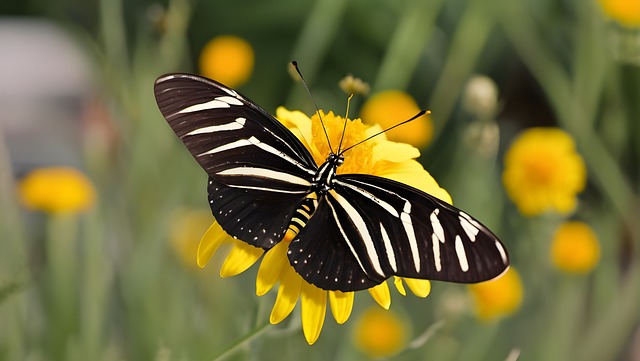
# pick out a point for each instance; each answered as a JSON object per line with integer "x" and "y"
{"x": 407, "y": 45}
{"x": 320, "y": 28}
{"x": 466, "y": 46}
{"x": 243, "y": 341}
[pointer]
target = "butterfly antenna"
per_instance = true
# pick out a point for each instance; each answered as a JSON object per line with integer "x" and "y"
{"x": 295, "y": 65}
{"x": 344, "y": 127}
{"x": 421, "y": 113}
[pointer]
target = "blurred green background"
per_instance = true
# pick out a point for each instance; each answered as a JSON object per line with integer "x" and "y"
{"x": 115, "y": 281}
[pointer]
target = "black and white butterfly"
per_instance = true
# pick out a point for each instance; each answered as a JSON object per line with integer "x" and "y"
{"x": 355, "y": 230}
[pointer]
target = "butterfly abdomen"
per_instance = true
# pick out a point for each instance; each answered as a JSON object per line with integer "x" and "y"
{"x": 301, "y": 217}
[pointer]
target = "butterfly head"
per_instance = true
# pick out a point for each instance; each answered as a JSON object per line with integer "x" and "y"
{"x": 335, "y": 160}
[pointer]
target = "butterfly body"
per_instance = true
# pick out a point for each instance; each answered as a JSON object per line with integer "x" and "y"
{"x": 354, "y": 230}
{"x": 323, "y": 181}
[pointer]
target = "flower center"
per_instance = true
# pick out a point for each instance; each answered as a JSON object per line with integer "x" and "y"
{"x": 541, "y": 169}
{"x": 356, "y": 160}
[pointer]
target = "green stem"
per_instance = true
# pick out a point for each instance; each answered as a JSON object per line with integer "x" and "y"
{"x": 604, "y": 339}
{"x": 477, "y": 347}
{"x": 466, "y": 45}
{"x": 564, "y": 320}
{"x": 61, "y": 281}
{"x": 244, "y": 340}
{"x": 319, "y": 30}
{"x": 518, "y": 25}
{"x": 13, "y": 261}
{"x": 113, "y": 34}
{"x": 95, "y": 280}
{"x": 590, "y": 64}
{"x": 13, "y": 257}
{"x": 407, "y": 45}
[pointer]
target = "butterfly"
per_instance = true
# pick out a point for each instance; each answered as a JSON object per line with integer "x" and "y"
{"x": 355, "y": 230}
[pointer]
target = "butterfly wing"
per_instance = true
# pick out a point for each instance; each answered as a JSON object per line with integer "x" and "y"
{"x": 321, "y": 252}
{"x": 388, "y": 229}
{"x": 259, "y": 172}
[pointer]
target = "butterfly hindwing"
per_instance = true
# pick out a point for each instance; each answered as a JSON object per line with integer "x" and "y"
{"x": 321, "y": 256}
{"x": 255, "y": 217}
{"x": 259, "y": 171}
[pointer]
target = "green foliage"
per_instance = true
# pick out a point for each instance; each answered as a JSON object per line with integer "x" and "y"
{"x": 121, "y": 293}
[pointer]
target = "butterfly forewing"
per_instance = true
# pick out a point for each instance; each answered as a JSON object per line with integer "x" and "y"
{"x": 223, "y": 129}
{"x": 259, "y": 172}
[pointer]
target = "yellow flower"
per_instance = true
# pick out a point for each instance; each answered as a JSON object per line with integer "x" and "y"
{"x": 499, "y": 297}
{"x": 57, "y": 190}
{"x": 626, "y": 12}
{"x": 377, "y": 156}
{"x": 389, "y": 108}
{"x": 543, "y": 172}
{"x": 379, "y": 333}
{"x": 185, "y": 230}
{"x": 227, "y": 59}
{"x": 575, "y": 248}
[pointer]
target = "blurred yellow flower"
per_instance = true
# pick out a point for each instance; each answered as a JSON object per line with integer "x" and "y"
{"x": 227, "y": 59}
{"x": 575, "y": 248}
{"x": 543, "y": 172}
{"x": 57, "y": 190}
{"x": 389, "y": 108}
{"x": 379, "y": 333}
{"x": 377, "y": 156}
{"x": 625, "y": 12}
{"x": 499, "y": 297}
{"x": 185, "y": 230}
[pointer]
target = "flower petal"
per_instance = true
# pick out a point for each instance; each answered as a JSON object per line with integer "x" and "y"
{"x": 381, "y": 294}
{"x": 394, "y": 152}
{"x": 341, "y": 305}
{"x": 314, "y": 308}
{"x": 209, "y": 243}
{"x": 288, "y": 294}
{"x": 241, "y": 257}
{"x": 412, "y": 173}
{"x": 271, "y": 268}
{"x": 298, "y": 122}
{"x": 420, "y": 288}
{"x": 399, "y": 285}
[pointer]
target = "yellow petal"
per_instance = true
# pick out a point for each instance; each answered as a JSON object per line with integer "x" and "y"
{"x": 381, "y": 294}
{"x": 298, "y": 120}
{"x": 271, "y": 267}
{"x": 412, "y": 173}
{"x": 375, "y": 129}
{"x": 341, "y": 305}
{"x": 394, "y": 152}
{"x": 399, "y": 285}
{"x": 209, "y": 243}
{"x": 420, "y": 288}
{"x": 288, "y": 294}
{"x": 241, "y": 257}
{"x": 314, "y": 308}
